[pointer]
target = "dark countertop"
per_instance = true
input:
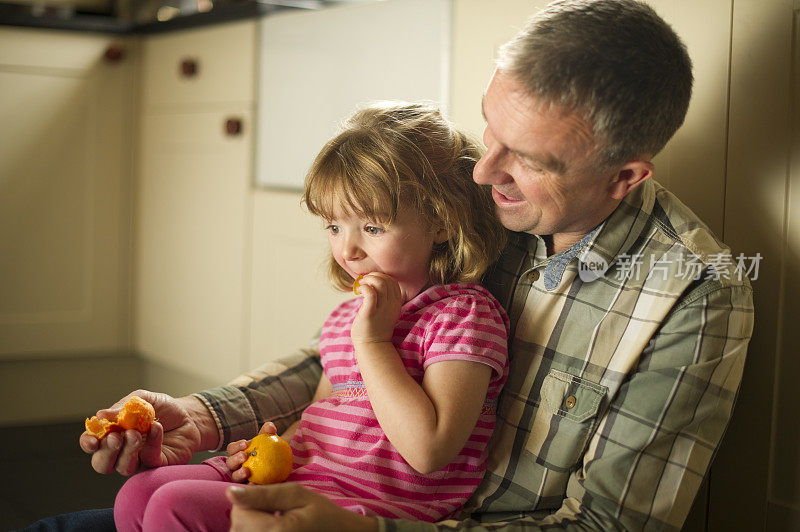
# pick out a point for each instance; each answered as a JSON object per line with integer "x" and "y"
{"x": 22, "y": 16}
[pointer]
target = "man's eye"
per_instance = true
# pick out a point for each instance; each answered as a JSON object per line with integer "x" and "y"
{"x": 527, "y": 165}
{"x": 371, "y": 229}
{"x": 333, "y": 229}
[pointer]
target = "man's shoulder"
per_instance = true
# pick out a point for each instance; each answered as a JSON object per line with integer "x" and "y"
{"x": 692, "y": 244}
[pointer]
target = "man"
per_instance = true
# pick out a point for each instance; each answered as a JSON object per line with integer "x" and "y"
{"x": 629, "y": 329}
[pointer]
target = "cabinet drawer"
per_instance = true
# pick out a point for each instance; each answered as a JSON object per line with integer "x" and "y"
{"x": 61, "y": 50}
{"x": 208, "y": 65}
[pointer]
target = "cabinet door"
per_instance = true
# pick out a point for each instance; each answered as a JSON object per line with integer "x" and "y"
{"x": 64, "y": 193}
{"x": 191, "y": 222}
{"x": 199, "y": 67}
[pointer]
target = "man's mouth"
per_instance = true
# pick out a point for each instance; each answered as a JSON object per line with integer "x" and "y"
{"x": 501, "y": 199}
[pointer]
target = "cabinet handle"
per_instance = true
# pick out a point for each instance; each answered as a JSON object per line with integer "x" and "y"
{"x": 189, "y": 68}
{"x": 114, "y": 53}
{"x": 233, "y": 126}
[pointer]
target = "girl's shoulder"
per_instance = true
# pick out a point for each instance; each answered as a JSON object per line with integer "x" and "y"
{"x": 439, "y": 296}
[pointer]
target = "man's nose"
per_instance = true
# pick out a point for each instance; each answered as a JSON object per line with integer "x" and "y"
{"x": 489, "y": 170}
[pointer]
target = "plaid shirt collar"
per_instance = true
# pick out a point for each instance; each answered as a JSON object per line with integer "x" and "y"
{"x": 602, "y": 245}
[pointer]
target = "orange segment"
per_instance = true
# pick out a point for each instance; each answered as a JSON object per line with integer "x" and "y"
{"x": 356, "y": 284}
{"x": 269, "y": 459}
{"x": 136, "y": 414}
{"x": 100, "y": 428}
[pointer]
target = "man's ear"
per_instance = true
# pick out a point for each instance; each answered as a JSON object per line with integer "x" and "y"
{"x": 631, "y": 175}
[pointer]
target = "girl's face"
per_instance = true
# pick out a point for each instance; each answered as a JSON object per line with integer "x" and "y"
{"x": 401, "y": 250}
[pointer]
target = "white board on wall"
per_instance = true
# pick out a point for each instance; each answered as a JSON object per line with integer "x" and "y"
{"x": 316, "y": 67}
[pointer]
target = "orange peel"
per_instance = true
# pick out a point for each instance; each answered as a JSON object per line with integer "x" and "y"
{"x": 136, "y": 414}
{"x": 357, "y": 283}
{"x": 269, "y": 459}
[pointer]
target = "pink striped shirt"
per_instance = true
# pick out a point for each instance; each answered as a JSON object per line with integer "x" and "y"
{"x": 339, "y": 448}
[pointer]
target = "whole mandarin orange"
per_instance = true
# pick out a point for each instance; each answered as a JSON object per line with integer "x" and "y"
{"x": 269, "y": 459}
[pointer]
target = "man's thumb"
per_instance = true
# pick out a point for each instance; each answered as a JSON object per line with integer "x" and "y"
{"x": 276, "y": 497}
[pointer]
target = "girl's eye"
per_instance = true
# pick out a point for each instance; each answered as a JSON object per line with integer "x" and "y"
{"x": 372, "y": 230}
{"x": 333, "y": 229}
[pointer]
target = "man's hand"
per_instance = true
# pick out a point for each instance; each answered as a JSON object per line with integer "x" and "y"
{"x": 176, "y": 435}
{"x": 289, "y": 506}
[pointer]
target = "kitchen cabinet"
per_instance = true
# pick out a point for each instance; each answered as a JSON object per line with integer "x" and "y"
{"x": 193, "y": 210}
{"x": 65, "y": 154}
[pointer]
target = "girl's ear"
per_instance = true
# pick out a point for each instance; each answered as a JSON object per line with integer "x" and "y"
{"x": 441, "y": 235}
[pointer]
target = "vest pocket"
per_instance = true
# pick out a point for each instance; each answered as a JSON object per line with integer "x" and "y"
{"x": 566, "y": 417}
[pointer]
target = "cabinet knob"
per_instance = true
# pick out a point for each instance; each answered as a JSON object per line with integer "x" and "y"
{"x": 189, "y": 68}
{"x": 233, "y": 126}
{"x": 114, "y": 53}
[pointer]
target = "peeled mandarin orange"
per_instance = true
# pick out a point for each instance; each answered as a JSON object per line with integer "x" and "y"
{"x": 356, "y": 284}
{"x": 136, "y": 414}
{"x": 269, "y": 459}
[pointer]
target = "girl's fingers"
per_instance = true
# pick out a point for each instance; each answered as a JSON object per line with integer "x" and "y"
{"x": 235, "y": 460}
{"x": 268, "y": 428}
{"x": 240, "y": 475}
{"x": 369, "y": 301}
{"x": 236, "y": 446}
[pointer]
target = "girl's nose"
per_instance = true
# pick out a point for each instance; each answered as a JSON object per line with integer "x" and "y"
{"x": 351, "y": 250}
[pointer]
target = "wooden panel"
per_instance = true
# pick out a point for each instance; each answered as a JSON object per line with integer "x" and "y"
{"x": 224, "y": 56}
{"x": 692, "y": 165}
{"x": 785, "y": 464}
{"x": 291, "y": 293}
{"x": 755, "y": 209}
{"x": 192, "y": 215}
{"x": 64, "y": 195}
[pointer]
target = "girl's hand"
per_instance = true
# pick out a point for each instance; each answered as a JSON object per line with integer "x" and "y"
{"x": 237, "y": 455}
{"x": 380, "y": 310}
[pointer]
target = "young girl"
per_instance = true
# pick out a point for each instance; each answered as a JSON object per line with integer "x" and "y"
{"x": 412, "y": 367}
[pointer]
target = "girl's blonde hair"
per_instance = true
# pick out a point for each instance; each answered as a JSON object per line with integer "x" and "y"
{"x": 393, "y": 154}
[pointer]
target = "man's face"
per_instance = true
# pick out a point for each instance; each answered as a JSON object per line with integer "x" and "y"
{"x": 539, "y": 163}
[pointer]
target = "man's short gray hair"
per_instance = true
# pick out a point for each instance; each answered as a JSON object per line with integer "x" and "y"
{"x": 614, "y": 62}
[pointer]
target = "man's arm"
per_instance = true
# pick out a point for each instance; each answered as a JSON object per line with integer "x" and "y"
{"x": 644, "y": 464}
{"x": 278, "y": 391}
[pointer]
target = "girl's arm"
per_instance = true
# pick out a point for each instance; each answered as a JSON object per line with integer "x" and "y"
{"x": 428, "y": 424}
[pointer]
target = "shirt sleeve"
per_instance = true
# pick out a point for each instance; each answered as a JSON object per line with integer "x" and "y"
{"x": 469, "y": 328}
{"x": 653, "y": 447}
{"x": 278, "y": 391}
